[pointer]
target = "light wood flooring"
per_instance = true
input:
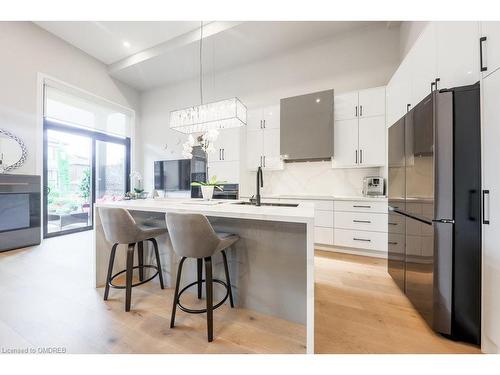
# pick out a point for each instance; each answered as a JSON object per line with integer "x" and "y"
{"x": 359, "y": 309}
{"x": 47, "y": 300}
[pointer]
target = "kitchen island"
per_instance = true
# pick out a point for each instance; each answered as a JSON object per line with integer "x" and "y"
{"x": 271, "y": 266}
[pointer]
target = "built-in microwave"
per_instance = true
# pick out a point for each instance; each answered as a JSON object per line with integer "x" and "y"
{"x": 20, "y": 207}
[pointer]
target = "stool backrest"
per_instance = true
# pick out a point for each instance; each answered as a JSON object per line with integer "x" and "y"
{"x": 192, "y": 235}
{"x": 119, "y": 226}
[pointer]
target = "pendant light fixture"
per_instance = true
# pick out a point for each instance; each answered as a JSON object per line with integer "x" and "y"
{"x": 223, "y": 114}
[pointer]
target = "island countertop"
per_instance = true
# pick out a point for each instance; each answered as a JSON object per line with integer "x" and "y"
{"x": 303, "y": 213}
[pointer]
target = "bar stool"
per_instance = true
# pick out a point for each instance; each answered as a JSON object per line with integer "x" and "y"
{"x": 120, "y": 228}
{"x": 192, "y": 236}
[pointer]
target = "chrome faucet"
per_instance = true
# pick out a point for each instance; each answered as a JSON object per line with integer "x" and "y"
{"x": 260, "y": 183}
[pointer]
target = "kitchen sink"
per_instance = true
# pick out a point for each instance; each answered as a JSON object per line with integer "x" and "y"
{"x": 269, "y": 204}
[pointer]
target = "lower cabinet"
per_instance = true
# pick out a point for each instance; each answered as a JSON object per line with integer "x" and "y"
{"x": 360, "y": 239}
{"x": 323, "y": 235}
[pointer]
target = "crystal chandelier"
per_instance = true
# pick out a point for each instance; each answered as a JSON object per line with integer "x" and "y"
{"x": 223, "y": 114}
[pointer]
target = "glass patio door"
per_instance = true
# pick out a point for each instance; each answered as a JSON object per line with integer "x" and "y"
{"x": 68, "y": 182}
{"x": 80, "y": 167}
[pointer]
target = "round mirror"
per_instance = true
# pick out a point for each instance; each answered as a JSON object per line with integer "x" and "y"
{"x": 12, "y": 151}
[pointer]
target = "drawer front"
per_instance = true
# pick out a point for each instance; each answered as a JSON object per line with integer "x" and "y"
{"x": 323, "y": 235}
{"x": 396, "y": 223}
{"x": 360, "y": 239}
{"x": 360, "y": 221}
{"x": 361, "y": 206}
{"x": 323, "y": 219}
{"x": 323, "y": 205}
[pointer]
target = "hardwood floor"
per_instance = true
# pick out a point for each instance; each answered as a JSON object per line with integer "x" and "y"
{"x": 47, "y": 300}
{"x": 359, "y": 309}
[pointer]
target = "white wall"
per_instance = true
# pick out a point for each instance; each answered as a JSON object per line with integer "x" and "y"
{"x": 361, "y": 59}
{"x": 410, "y": 30}
{"x": 27, "y": 50}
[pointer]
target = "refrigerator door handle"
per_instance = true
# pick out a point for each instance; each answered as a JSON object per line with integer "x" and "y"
{"x": 444, "y": 221}
{"x": 486, "y": 218}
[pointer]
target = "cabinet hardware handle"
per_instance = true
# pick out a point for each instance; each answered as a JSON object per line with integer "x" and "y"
{"x": 264, "y": 124}
{"x": 392, "y": 243}
{"x": 362, "y": 239}
{"x": 356, "y": 156}
{"x": 360, "y": 156}
{"x": 481, "y": 40}
{"x": 360, "y": 111}
{"x": 223, "y": 154}
{"x": 408, "y": 107}
{"x": 362, "y": 221}
{"x": 393, "y": 223}
{"x": 356, "y": 113}
{"x": 220, "y": 153}
{"x": 264, "y": 157}
{"x": 360, "y": 206}
{"x": 486, "y": 219}
{"x": 261, "y": 160}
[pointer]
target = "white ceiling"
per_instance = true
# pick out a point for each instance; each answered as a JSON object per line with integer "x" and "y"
{"x": 104, "y": 40}
{"x": 167, "y": 52}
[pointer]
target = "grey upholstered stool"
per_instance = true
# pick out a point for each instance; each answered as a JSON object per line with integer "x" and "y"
{"x": 192, "y": 236}
{"x": 120, "y": 228}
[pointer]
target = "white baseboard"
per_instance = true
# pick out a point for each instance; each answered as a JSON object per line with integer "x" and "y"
{"x": 351, "y": 250}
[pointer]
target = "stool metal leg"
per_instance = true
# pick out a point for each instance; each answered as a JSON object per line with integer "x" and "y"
{"x": 228, "y": 281}
{"x": 176, "y": 293}
{"x": 158, "y": 263}
{"x": 209, "y": 291}
{"x": 130, "y": 265}
{"x": 200, "y": 276}
{"x": 110, "y": 270}
{"x": 140, "y": 256}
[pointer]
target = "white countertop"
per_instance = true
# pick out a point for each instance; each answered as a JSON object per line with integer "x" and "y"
{"x": 322, "y": 197}
{"x": 304, "y": 213}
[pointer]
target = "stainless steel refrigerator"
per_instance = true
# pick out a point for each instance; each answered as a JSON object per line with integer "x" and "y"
{"x": 434, "y": 184}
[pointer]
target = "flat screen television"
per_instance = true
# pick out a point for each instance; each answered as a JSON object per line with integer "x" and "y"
{"x": 173, "y": 175}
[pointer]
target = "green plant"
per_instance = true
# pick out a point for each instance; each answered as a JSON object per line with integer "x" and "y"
{"x": 85, "y": 185}
{"x": 212, "y": 182}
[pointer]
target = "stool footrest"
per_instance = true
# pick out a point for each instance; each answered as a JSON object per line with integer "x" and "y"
{"x": 201, "y": 311}
{"x": 136, "y": 284}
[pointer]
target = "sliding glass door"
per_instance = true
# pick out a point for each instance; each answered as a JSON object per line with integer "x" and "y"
{"x": 80, "y": 168}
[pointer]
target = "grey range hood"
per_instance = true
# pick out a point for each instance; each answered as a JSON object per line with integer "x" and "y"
{"x": 306, "y": 127}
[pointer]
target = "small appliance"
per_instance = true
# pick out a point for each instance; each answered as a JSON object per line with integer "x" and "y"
{"x": 373, "y": 186}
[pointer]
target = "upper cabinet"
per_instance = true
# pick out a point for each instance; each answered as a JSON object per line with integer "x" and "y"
{"x": 444, "y": 55}
{"x": 263, "y": 138}
{"x": 359, "y": 129}
{"x": 489, "y": 47}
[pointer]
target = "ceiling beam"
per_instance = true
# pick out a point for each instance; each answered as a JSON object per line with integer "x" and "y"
{"x": 209, "y": 29}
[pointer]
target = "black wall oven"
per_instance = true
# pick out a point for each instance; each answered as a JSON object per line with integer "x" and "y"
{"x": 19, "y": 211}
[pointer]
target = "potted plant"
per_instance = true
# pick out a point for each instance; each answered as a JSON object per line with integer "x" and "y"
{"x": 207, "y": 188}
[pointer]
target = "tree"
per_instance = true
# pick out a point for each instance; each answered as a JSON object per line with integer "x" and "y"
{"x": 85, "y": 185}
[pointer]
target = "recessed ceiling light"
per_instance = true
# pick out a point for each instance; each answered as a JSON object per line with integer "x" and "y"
{"x": 126, "y": 44}
{"x": 318, "y": 100}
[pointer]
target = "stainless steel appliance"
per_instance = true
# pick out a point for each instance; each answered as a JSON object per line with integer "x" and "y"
{"x": 306, "y": 127}
{"x": 19, "y": 211}
{"x": 373, "y": 186}
{"x": 434, "y": 184}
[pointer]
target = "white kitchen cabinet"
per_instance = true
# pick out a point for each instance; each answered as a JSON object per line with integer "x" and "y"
{"x": 323, "y": 235}
{"x": 372, "y": 102}
{"x": 398, "y": 93}
{"x": 491, "y": 46}
{"x": 457, "y": 53}
{"x": 345, "y": 143}
{"x": 263, "y": 139}
{"x": 228, "y": 171}
{"x": 271, "y": 117}
{"x": 254, "y": 119}
{"x": 345, "y": 106}
{"x": 491, "y": 214}
{"x": 227, "y": 145}
{"x": 423, "y": 62}
{"x": 254, "y": 149}
{"x": 360, "y": 239}
{"x": 372, "y": 141}
{"x": 360, "y": 141}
